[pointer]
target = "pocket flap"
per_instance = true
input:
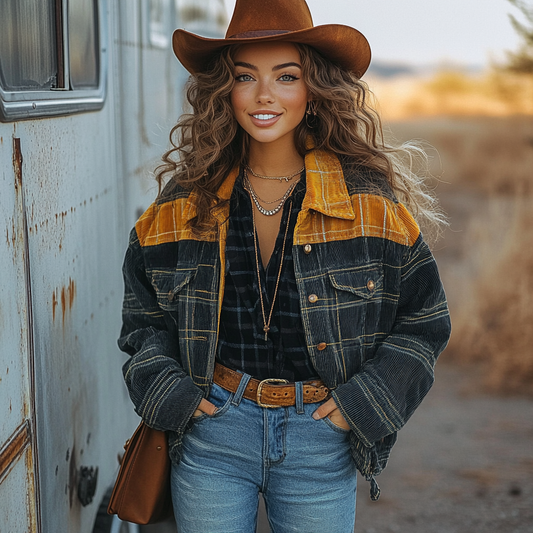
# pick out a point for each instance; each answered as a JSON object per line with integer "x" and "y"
{"x": 169, "y": 284}
{"x": 364, "y": 283}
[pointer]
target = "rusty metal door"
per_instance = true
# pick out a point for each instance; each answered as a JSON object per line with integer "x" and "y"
{"x": 17, "y": 423}
{"x": 65, "y": 410}
{"x": 74, "y": 247}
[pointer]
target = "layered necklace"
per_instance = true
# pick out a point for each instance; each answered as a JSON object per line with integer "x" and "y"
{"x": 255, "y": 197}
{"x": 282, "y": 199}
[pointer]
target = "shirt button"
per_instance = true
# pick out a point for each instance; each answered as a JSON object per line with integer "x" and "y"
{"x": 322, "y": 346}
{"x": 370, "y": 285}
{"x": 307, "y": 248}
{"x": 170, "y": 296}
{"x": 313, "y": 298}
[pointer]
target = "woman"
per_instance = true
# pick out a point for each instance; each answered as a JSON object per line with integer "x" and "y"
{"x": 282, "y": 312}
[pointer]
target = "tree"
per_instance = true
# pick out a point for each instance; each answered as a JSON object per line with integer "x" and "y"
{"x": 521, "y": 61}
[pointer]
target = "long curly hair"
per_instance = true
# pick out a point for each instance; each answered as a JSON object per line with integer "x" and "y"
{"x": 208, "y": 143}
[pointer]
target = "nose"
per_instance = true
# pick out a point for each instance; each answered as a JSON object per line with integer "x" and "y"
{"x": 264, "y": 93}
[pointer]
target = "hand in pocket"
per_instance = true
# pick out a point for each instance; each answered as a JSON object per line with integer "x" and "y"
{"x": 206, "y": 407}
{"x": 331, "y": 410}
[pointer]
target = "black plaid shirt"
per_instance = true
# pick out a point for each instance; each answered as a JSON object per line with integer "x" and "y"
{"x": 241, "y": 343}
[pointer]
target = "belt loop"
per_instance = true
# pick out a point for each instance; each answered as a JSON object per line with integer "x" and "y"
{"x": 299, "y": 388}
{"x": 240, "y": 389}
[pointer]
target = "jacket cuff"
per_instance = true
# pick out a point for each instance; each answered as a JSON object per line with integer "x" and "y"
{"x": 356, "y": 407}
{"x": 176, "y": 408}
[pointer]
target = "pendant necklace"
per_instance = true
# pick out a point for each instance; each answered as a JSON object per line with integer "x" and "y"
{"x": 266, "y": 324}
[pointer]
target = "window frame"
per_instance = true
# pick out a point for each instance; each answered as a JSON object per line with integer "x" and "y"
{"x": 31, "y": 104}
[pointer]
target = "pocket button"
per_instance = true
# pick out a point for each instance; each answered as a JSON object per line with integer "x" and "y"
{"x": 370, "y": 285}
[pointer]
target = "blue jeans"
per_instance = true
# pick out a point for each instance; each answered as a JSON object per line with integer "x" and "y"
{"x": 302, "y": 466}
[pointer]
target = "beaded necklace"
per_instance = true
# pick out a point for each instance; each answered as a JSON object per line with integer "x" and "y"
{"x": 248, "y": 187}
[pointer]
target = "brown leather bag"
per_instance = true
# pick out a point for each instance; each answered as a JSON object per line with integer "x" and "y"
{"x": 141, "y": 494}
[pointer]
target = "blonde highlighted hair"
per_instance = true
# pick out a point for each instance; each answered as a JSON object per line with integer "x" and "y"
{"x": 208, "y": 142}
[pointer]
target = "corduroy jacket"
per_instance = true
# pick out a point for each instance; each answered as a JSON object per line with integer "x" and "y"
{"x": 373, "y": 307}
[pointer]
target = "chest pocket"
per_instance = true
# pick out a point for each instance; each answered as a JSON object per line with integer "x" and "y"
{"x": 358, "y": 297}
{"x": 169, "y": 284}
{"x": 366, "y": 284}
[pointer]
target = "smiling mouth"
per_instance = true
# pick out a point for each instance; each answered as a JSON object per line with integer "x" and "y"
{"x": 264, "y": 116}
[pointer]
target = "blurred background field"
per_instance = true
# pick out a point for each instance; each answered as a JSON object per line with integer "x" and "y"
{"x": 454, "y": 92}
{"x": 463, "y": 464}
{"x": 478, "y": 130}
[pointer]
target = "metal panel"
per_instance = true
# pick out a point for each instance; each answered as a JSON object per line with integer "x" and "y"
{"x": 70, "y": 189}
{"x": 14, "y": 394}
{"x": 71, "y": 181}
{"x": 17, "y": 497}
{"x": 15, "y": 355}
{"x": 151, "y": 88}
{"x": 72, "y": 197}
{"x": 149, "y": 98}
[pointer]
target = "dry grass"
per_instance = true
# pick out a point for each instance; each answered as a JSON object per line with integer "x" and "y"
{"x": 494, "y": 322}
{"x": 487, "y": 154}
{"x": 453, "y": 93}
{"x": 486, "y": 257}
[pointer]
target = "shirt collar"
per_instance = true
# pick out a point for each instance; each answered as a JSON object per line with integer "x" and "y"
{"x": 326, "y": 190}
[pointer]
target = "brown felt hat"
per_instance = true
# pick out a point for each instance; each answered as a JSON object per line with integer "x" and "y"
{"x": 256, "y": 21}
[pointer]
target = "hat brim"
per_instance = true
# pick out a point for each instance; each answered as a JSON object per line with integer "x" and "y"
{"x": 341, "y": 44}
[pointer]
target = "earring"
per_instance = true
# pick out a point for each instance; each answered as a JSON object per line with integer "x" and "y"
{"x": 311, "y": 112}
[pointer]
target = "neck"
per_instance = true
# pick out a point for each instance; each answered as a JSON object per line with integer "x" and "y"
{"x": 274, "y": 159}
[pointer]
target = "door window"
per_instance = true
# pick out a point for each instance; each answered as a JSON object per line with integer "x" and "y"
{"x": 28, "y": 58}
{"x": 52, "y": 58}
{"x": 83, "y": 44}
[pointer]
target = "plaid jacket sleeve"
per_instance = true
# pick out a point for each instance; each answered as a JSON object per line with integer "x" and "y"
{"x": 164, "y": 396}
{"x": 379, "y": 399}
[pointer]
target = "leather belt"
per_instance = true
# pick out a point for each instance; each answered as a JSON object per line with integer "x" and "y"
{"x": 270, "y": 392}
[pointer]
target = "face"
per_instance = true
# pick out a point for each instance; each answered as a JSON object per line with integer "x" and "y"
{"x": 269, "y": 97}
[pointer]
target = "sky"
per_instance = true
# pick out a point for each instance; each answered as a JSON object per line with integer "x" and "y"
{"x": 420, "y": 32}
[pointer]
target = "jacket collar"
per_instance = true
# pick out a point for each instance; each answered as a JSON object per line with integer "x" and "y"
{"x": 224, "y": 193}
{"x": 326, "y": 190}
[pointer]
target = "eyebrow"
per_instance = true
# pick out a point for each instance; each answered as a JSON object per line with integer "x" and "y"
{"x": 276, "y": 67}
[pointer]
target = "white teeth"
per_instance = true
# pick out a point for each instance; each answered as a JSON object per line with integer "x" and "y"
{"x": 264, "y": 117}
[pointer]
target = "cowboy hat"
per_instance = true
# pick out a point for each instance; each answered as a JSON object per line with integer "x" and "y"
{"x": 257, "y": 21}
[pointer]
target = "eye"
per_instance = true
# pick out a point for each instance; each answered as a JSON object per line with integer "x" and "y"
{"x": 288, "y": 77}
{"x": 243, "y": 77}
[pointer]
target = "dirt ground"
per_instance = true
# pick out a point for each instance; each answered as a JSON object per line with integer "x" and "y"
{"x": 462, "y": 464}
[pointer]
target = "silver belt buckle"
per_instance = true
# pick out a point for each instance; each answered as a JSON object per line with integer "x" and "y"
{"x": 260, "y": 388}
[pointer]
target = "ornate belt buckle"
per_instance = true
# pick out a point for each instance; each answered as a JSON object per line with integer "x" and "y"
{"x": 260, "y": 388}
